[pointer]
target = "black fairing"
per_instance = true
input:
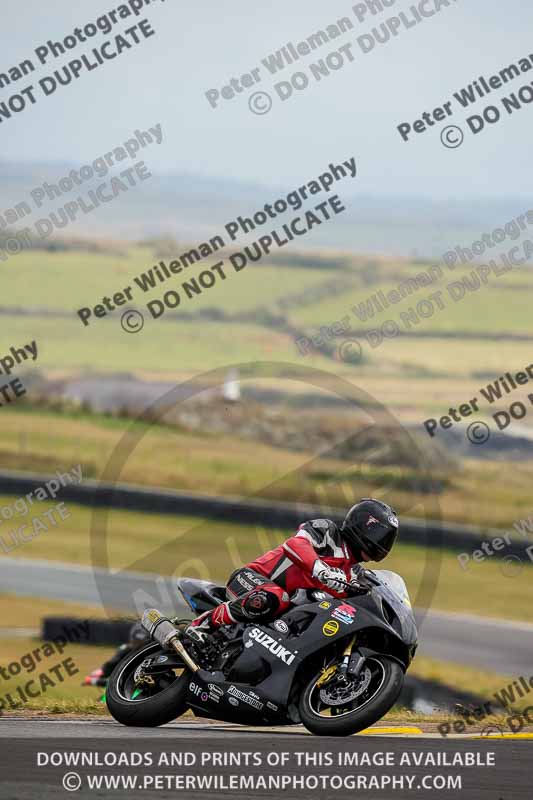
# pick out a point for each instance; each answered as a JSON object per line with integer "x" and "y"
{"x": 258, "y": 686}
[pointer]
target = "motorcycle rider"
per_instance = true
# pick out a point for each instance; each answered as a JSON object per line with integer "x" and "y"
{"x": 321, "y": 555}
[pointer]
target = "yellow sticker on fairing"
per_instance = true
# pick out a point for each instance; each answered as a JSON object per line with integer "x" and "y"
{"x": 330, "y": 628}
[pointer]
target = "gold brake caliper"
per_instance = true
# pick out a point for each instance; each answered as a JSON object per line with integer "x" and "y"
{"x": 327, "y": 673}
{"x": 140, "y": 678}
{"x": 145, "y": 680}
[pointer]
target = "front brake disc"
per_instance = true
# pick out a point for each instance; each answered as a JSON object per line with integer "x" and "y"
{"x": 336, "y": 695}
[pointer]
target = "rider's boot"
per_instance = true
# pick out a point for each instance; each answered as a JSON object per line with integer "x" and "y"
{"x": 200, "y": 631}
{"x": 95, "y": 678}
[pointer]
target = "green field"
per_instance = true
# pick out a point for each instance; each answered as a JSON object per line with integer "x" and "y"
{"x": 167, "y": 349}
{"x": 67, "y": 695}
{"x": 70, "y": 280}
{"x": 84, "y": 278}
{"x": 416, "y": 376}
{"x": 502, "y": 305}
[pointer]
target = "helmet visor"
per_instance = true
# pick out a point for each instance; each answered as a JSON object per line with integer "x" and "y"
{"x": 381, "y": 541}
{"x": 377, "y": 540}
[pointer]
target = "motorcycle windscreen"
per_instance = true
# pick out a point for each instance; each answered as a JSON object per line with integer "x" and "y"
{"x": 394, "y": 582}
{"x": 394, "y": 590}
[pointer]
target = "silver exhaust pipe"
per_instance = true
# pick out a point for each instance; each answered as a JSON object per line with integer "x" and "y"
{"x": 165, "y": 632}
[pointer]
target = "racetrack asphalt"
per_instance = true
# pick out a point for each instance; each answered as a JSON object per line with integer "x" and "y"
{"x": 504, "y": 774}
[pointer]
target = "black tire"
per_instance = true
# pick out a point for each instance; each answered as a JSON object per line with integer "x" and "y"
{"x": 151, "y": 711}
{"x": 362, "y": 717}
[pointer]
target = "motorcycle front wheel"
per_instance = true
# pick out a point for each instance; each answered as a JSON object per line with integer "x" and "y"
{"x": 343, "y": 706}
{"x": 146, "y": 704}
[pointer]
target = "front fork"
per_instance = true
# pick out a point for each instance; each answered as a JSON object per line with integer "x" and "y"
{"x": 349, "y": 667}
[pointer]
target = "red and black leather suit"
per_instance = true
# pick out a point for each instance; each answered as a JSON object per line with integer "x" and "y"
{"x": 261, "y": 590}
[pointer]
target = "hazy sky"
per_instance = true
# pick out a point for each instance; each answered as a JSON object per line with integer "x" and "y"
{"x": 353, "y": 112}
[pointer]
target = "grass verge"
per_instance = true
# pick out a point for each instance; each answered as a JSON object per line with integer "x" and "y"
{"x": 62, "y": 692}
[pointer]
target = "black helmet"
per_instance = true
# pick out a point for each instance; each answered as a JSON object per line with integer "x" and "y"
{"x": 371, "y": 526}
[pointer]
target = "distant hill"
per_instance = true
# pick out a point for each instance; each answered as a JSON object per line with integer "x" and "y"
{"x": 194, "y": 207}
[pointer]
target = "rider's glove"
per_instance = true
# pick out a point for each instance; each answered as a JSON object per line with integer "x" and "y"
{"x": 332, "y": 577}
{"x": 357, "y": 575}
{"x": 357, "y": 578}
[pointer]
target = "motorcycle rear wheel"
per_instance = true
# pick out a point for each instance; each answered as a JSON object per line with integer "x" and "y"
{"x": 146, "y": 706}
{"x": 324, "y": 712}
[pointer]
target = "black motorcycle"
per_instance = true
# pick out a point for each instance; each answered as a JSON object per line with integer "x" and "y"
{"x": 336, "y": 666}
